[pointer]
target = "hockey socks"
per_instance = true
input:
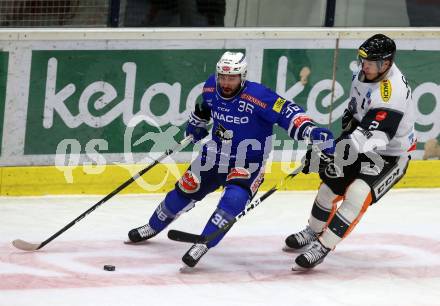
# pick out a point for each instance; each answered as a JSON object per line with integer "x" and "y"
{"x": 165, "y": 213}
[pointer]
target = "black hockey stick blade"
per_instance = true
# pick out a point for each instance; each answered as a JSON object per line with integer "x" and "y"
{"x": 182, "y": 236}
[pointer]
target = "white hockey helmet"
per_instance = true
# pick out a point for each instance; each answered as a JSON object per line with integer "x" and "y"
{"x": 232, "y": 63}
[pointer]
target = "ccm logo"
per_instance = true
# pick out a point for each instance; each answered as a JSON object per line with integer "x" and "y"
{"x": 387, "y": 182}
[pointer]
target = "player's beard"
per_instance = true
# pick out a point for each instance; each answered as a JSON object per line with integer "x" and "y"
{"x": 228, "y": 92}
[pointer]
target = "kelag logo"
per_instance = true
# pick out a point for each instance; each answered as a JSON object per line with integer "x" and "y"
{"x": 85, "y": 95}
{"x": 92, "y": 96}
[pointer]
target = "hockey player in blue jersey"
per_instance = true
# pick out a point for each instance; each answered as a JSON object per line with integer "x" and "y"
{"x": 243, "y": 114}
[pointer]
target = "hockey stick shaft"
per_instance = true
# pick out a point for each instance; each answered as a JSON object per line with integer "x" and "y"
{"x": 23, "y": 245}
{"x": 193, "y": 238}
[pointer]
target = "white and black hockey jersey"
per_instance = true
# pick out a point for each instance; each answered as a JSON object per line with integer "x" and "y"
{"x": 386, "y": 115}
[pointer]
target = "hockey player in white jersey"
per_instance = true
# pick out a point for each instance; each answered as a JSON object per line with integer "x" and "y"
{"x": 371, "y": 156}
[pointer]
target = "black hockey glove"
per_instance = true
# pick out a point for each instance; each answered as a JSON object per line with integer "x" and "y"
{"x": 316, "y": 160}
{"x": 349, "y": 123}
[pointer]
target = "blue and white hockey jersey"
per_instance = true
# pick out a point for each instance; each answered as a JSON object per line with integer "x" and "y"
{"x": 243, "y": 125}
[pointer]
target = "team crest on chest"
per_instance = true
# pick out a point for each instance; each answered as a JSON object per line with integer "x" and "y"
{"x": 224, "y": 134}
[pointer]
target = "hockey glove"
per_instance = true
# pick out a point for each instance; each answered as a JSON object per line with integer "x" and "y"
{"x": 197, "y": 125}
{"x": 316, "y": 160}
{"x": 323, "y": 138}
{"x": 349, "y": 123}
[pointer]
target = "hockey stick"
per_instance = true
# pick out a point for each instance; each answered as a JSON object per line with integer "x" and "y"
{"x": 27, "y": 246}
{"x": 182, "y": 236}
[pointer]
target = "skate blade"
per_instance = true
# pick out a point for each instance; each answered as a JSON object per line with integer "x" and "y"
{"x": 292, "y": 250}
{"x": 297, "y": 268}
{"x": 128, "y": 242}
{"x": 186, "y": 269}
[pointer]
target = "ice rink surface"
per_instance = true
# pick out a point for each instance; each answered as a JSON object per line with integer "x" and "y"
{"x": 391, "y": 258}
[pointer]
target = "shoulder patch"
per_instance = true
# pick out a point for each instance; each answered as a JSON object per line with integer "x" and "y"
{"x": 278, "y": 105}
{"x": 385, "y": 90}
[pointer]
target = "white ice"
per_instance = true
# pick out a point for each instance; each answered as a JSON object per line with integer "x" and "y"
{"x": 391, "y": 258}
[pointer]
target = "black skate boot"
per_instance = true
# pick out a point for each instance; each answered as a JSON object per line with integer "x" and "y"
{"x": 299, "y": 240}
{"x": 141, "y": 233}
{"x": 192, "y": 257}
{"x": 312, "y": 257}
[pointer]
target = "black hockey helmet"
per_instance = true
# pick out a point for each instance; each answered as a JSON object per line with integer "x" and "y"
{"x": 377, "y": 48}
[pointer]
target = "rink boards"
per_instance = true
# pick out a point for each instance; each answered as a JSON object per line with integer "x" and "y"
{"x": 79, "y": 105}
{"x": 81, "y": 180}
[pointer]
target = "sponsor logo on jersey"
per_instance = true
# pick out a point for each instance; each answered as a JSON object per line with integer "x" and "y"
{"x": 238, "y": 173}
{"x": 368, "y": 96}
{"x": 224, "y": 109}
{"x": 385, "y": 90}
{"x": 257, "y": 182}
{"x": 278, "y": 105}
{"x": 224, "y": 134}
{"x": 381, "y": 115}
{"x": 230, "y": 118}
{"x": 253, "y": 100}
{"x": 208, "y": 89}
{"x": 189, "y": 183}
{"x": 299, "y": 120}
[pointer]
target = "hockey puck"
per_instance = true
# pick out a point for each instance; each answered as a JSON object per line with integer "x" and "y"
{"x": 109, "y": 268}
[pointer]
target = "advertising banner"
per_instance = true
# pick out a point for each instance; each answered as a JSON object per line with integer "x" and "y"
{"x": 98, "y": 100}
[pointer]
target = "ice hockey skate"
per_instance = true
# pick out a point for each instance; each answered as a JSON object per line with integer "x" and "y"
{"x": 192, "y": 257}
{"x": 312, "y": 257}
{"x": 298, "y": 241}
{"x": 141, "y": 233}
